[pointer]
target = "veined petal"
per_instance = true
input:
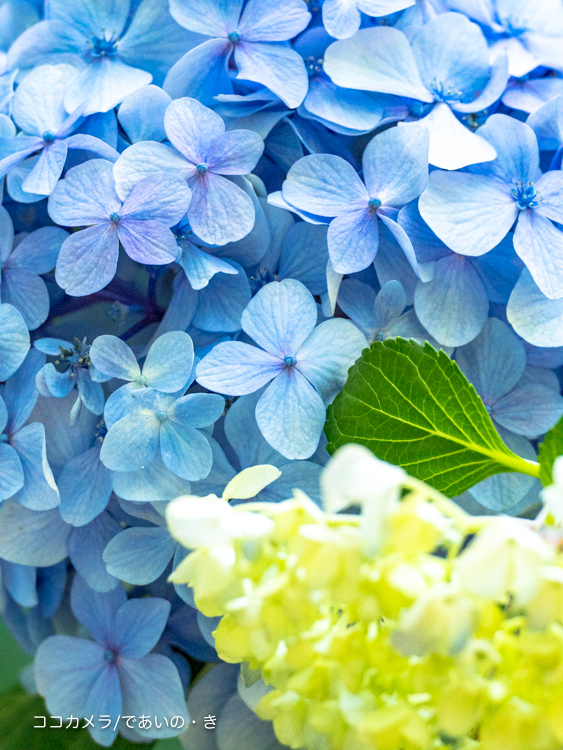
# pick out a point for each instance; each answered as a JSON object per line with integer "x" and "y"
{"x": 192, "y": 128}
{"x": 235, "y": 368}
{"x": 220, "y": 212}
{"x": 280, "y": 317}
{"x": 185, "y": 450}
{"x": 147, "y": 241}
{"x": 37, "y": 105}
{"x": 39, "y": 491}
{"x": 139, "y": 555}
{"x": 201, "y": 73}
{"x": 139, "y": 624}
{"x": 31, "y": 537}
{"x": 267, "y": 21}
{"x": 550, "y": 189}
{"x": 377, "y": 59}
{"x": 131, "y": 442}
{"x": 278, "y": 67}
{"x": 161, "y": 197}
{"x": 38, "y": 251}
{"x": 14, "y": 340}
{"x": 353, "y": 240}
{"x": 517, "y": 150}
{"x": 470, "y": 213}
{"x": 291, "y": 415}
{"x": 529, "y": 410}
{"x": 213, "y": 19}
{"x": 11, "y": 472}
{"x": 85, "y": 487}
{"x": 169, "y": 362}
{"x": 144, "y": 159}
{"x": 452, "y": 145}
{"x": 153, "y": 483}
{"x": 111, "y": 356}
{"x": 536, "y": 318}
{"x": 86, "y": 545}
{"x": 28, "y": 294}
{"x": 88, "y": 260}
{"x": 540, "y": 245}
{"x": 197, "y": 409}
{"x": 341, "y": 18}
{"x": 235, "y": 152}
{"x": 86, "y": 195}
{"x": 324, "y": 184}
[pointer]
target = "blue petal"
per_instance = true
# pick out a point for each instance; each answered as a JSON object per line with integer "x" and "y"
{"x": 303, "y": 475}
{"x": 132, "y": 442}
{"x": 536, "y": 318}
{"x": 378, "y": 59}
{"x": 91, "y": 393}
{"x": 86, "y": 195}
{"x": 141, "y": 114}
{"x": 86, "y": 546}
{"x": 104, "y": 699}
{"x": 197, "y": 409}
{"x": 159, "y": 197}
{"x": 169, "y": 362}
{"x": 139, "y": 555}
{"x": 516, "y": 147}
{"x": 266, "y": 21}
{"x": 453, "y": 307}
{"x": 236, "y": 368}
{"x": 20, "y": 392}
{"x": 235, "y": 152}
{"x": 31, "y": 537}
{"x": 201, "y": 73}
{"x": 304, "y": 256}
{"x": 212, "y": 19}
{"x": 85, "y": 486}
{"x": 199, "y": 266}
{"x": 96, "y": 611}
{"x": 494, "y": 361}
{"x": 153, "y": 681}
{"x": 113, "y": 357}
{"x": 276, "y": 66}
{"x": 154, "y": 482}
{"x": 39, "y": 491}
{"x": 138, "y": 626}
{"x": 14, "y": 340}
{"x": 221, "y": 303}
{"x": 240, "y": 727}
{"x": 208, "y": 696}
{"x": 529, "y": 410}
{"x": 11, "y": 472}
{"x": 185, "y": 451}
{"x": 37, "y": 105}
{"x": 59, "y": 384}
{"x": 353, "y": 240}
{"x": 88, "y": 260}
{"x": 341, "y": 18}
{"x": 28, "y": 294}
{"x": 220, "y": 212}
{"x": 540, "y": 245}
{"x": 291, "y": 415}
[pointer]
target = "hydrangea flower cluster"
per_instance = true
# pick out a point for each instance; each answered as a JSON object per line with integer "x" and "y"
{"x": 208, "y": 210}
{"x": 360, "y": 635}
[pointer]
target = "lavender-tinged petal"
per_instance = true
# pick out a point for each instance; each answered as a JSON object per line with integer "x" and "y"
{"x": 139, "y": 624}
{"x": 105, "y": 697}
{"x": 235, "y": 152}
{"x": 88, "y": 260}
{"x": 86, "y": 545}
{"x": 46, "y": 172}
{"x": 220, "y": 212}
{"x": 191, "y": 128}
{"x": 390, "y": 302}
{"x": 95, "y": 610}
{"x": 37, "y": 105}
{"x": 235, "y": 368}
{"x": 353, "y": 240}
{"x": 38, "y": 251}
{"x": 144, "y": 159}
{"x": 86, "y": 195}
{"x": 161, "y": 197}
{"x": 147, "y": 241}
{"x": 141, "y": 114}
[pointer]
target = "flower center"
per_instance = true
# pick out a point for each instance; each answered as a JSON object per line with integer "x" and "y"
{"x": 234, "y": 37}
{"x": 103, "y": 47}
{"x": 313, "y": 64}
{"x": 374, "y": 204}
{"x": 48, "y": 137}
{"x": 115, "y": 218}
{"x": 202, "y": 168}
{"x": 444, "y": 93}
{"x": 526, "y": 196}
{"x": 161, "y": 416}
{"x": 109, "y": 656}
{"x": 289, "y": 361}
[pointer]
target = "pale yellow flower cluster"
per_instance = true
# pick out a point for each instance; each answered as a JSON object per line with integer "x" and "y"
{"x": 408, "y": 626}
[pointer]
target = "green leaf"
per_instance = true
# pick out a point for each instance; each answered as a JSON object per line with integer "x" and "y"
{"x": 550, "y": 449}
{"x": 17, "y": 712}
{"x": 412, "y": 406}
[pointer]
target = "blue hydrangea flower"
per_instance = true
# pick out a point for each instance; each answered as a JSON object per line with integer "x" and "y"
{"x": 46, "y": 132}
{"x": 77, "y": 371}
{"x": 535, "y": 317}
{"x": 87, "y": 196}
{"x": 21, "y": 262}
{"x": 341, "y": 18}
{"x": 219, "y": 212}
{"x": 308, "y": 365}
{"x": 14, "y": 340}
{"x": 167, "y": 368}
{"x": 157, "y": 420}
{"x": 431, "y": 70}
{"x": 395, "y": 172}
{"x": 472, "y": 212}
{"x": 113, "y": 57}
{"x": 24, "y": 469}
{"x": 114, "y": 674}
{"x": 141, "y": 114}
{"x": 199, "y": 264}
{"x": 254, "y": 38}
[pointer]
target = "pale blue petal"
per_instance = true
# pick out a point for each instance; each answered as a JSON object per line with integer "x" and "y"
{"x": 403, "y": 240}
{"x": 85, "y": 196}
{"x": 52, "y": 346}
{"x": 20, "y": 581}
{"x": 139, "y": 624}
{"x": 327, "y": 355}
{"x": 304, "y": 256}
{"x": 20, "y": 393}
{"x": 47, "y": 170}
{"x": 104, "y": 699}
{"x": 153, "y": 681}
{"x": 208, "y": 696}
{"x": 267, "y": 21}
{"x": 341, "y": 18}
{"x": 111, "y": 356}
{"x": 153, "y": 483}
{"x": 14, "y": 340}
{"x": 377, "y": 59}
{"x": 241, "y": 430}
{"x": 391, "y": 264}
{"x": 116, "y": 405}
{"x": 39, "y": 491}
{"x": 59, "y": 384}
{"x": 27, "y": 293}
{"x": 536, "y": 318}
{"x": 239, "y": 727}
{"x": 214, "y": 483}
{"x": 169, "y": 362}
{"x": 213, "y": 19}
{"x": 38, "y": 251}
{"x": 325, "y": 185}
{"x": 185, "y": 451}
{"x": 201, "y": 73}
{"x": 493, "y": 90}
{"x": 191, "y": 128}
{"x": 453, "y": 306}
{"x": 131, "y": 442}
{"x": 355, "y": 111}
{"x": 31, "y": 537}
{"x": 470, "y": 213}
{"x": 353, "y": 240}
{"x": 141, "y": 114}
{"x": 235, "y": 152}
{"x": 499, "y": 270}
{"x": 11, "y": 472}
{"x": 494, "y": 361}
{"x": 144, "y": 159}
{"x": 516, "y": 147}
{"x": 390, "y": 302}
{"x": 529, "y": 410}
{"x": 452, "y": 145}
{"x": 540, "y": 245}
{"x": 86, "y": 545}
{"x": 85, "y": 486}
{"x": 197, "y": 409}
{"x": 303, "y": 475}
{"x": 356, "y": 300}
{"x": 66, "y": 669}
{"x": 221, "y": 303}
{"x": 395, "y": 164}
{"x": 91, "y": 393}
{"x": 147, "y": 241}
{"x": 550, "y": 188}
{"x": 37, "y": 105}
{"x": 103, "y": 83}
{"x": 220, "y": 211}
{"x": 95, "y": 145}
{"x": 95, "y": 610}
{"x": 88, "y": 260}
{"x": 88, "y": 17}
{"x": 6, "y": 234}
{"x": 291, "y": 415}
{"x": 161, "y": 197}
{"x": 139, "y": 555}
{"x": 425, "y": 243}
{"x": 280, "y": 317}
{"x": 275, "y": 66}
{"x": 199, "y": 266}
